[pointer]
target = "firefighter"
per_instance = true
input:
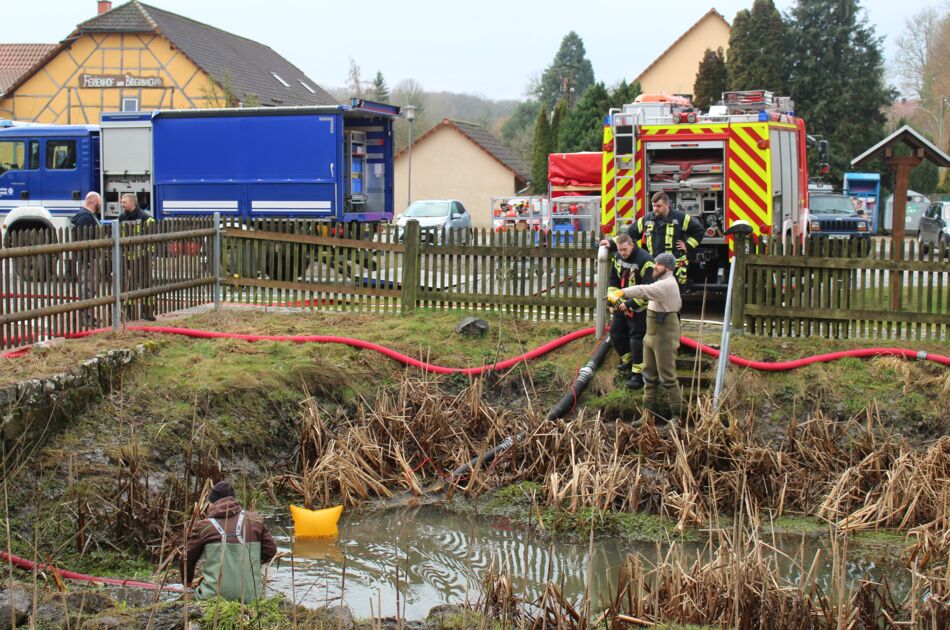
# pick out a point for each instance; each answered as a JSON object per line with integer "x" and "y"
{"x": 631, "y": 265}
{"x": 663, "y": 336}
{"x": 668, "y": 230}
{"x": 138, "y": 261}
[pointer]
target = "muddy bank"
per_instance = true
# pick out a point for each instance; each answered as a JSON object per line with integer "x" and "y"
{"x": 111, "y": 492}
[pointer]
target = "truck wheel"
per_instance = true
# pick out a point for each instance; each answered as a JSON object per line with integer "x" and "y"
{"x": 287, "y": 264}
{"x": 38, "y": 268}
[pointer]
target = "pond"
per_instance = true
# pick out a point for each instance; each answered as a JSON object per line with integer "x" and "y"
{"x": 425, "y": 556}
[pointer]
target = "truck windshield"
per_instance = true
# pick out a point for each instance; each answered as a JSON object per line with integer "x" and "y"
{"x": 827, "y": 204}
{"x": 428, "y": 209}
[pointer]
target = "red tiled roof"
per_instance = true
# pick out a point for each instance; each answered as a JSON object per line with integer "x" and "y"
{"x": 17, "y": 60}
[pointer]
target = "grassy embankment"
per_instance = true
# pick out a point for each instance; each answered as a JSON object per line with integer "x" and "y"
{"x": 194, "y": 409}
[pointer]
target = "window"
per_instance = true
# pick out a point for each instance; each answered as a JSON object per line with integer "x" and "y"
{"x": 60, "y": 154}
{"x": 457, "y": 208}
{"x": 12, "y": 154}
{"x": 282, "y": 82}
{"x": 34, "y": 155}
{"x": 307, "y": 87}
{"x": 130, "y": 104}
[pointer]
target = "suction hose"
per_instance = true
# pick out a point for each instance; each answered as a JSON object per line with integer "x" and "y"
{"x": 584, "y": 377}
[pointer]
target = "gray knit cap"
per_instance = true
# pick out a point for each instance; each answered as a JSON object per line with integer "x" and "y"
{"x": 666, "y": 259}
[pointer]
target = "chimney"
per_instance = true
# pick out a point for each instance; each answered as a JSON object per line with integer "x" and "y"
{"x": 104, "y": 5}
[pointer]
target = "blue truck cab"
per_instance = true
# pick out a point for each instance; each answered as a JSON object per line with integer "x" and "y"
{"x": 45, "y": 173}
{"x": 331, "y": 163}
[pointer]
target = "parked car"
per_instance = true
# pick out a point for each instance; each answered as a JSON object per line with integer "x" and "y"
{"x": 832, "y": 216}
{"x": 435, "y": 214}
{"x": 935, "y": 227}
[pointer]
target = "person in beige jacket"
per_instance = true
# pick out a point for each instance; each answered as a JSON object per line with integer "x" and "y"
{"x": 663, "y": 335}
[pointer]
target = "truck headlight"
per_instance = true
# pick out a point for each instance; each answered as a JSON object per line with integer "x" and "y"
{"x": 862, "y": 226}
{"x": 814, "y": 226}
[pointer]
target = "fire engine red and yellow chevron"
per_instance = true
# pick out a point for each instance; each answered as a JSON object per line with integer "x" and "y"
{"x": 607, "y": 213}
{"x": 748, "y": 176}
{"x": 649, "y": 131}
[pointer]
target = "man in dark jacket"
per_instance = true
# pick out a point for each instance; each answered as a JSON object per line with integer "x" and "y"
{"x": 85, "y": 223}
{"x": 631, "y": 265}
{"x": 234, "y": 543}
{"x": 668, "y": 230}
{"x": 138, "y": 258}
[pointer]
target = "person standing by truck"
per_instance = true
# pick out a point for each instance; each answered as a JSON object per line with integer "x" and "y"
{"x": 668, "y": 230}
{"x": 630, "y": 265}
{"x": 138, "y": 262}
{"x": 85, "y": 223}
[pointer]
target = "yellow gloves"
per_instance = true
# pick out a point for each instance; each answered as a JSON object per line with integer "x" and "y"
{"x": 614, "y": 297}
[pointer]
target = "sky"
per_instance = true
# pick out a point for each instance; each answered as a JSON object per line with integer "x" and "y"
{"x": 491, "y": 47}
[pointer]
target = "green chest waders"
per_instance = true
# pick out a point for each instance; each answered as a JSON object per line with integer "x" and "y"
{"x": 231, "y": 570}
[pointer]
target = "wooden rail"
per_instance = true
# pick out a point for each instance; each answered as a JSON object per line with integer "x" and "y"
{"x": 841, "y": 289}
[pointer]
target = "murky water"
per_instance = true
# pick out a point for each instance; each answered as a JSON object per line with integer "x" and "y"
{"x": 433, "y": 556}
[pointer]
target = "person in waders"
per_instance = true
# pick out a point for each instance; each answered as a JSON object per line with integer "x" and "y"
{"x": 234, "y": 543}
{"x": 662, "y": 339}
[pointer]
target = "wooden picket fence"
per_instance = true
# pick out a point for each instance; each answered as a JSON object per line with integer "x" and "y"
{"x": 347, "y": 267}
{"x": 843, "y": 289}
{"x": 63, "y": 282}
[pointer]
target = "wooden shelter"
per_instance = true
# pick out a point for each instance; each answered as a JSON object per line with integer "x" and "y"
{"x": 902, "y": 165}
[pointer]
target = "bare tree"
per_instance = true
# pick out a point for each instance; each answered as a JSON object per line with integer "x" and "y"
{"x": 353, "y": 82}
{"x": 916, "y": 48}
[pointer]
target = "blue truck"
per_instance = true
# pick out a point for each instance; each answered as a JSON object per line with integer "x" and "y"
{"x": 331, "y": 163}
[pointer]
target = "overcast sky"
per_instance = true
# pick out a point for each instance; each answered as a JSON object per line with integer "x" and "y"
{"x": 489, "y": 47}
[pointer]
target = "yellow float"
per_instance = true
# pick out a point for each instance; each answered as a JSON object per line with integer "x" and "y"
{"x": 315, "y": 523}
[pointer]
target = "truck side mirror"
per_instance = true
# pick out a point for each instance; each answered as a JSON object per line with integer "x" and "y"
{"x": 823, "y": 152}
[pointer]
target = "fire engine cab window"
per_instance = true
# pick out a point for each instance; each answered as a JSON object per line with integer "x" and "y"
{"x": 61, "y": 154}
{"x": 12, "y": 155}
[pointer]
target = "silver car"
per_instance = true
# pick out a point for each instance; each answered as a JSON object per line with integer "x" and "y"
{"x": 435, "y": 214}
{"x": 934, "y": 227}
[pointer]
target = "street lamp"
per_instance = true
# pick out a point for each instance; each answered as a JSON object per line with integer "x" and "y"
{"x": 409, "y": 111}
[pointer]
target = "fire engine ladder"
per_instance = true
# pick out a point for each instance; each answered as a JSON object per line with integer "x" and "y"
{"x": 625, "y": 202}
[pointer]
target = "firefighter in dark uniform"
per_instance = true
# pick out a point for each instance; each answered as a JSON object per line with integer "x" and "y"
{"x": 668, "y": 230}
{"x": 632, "y": 265}
{"x": 138, "y": 259}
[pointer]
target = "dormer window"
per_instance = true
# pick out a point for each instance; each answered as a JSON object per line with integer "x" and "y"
{"x": 282, "y": 82}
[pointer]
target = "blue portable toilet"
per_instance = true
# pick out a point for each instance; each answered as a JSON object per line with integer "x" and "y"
{"x": 866, "y": 189}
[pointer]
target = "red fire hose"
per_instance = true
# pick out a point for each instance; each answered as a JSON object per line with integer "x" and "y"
{"x": 23, "y": 563}
{"x": 767, "y": 366}
{"x": 782, "y": 366}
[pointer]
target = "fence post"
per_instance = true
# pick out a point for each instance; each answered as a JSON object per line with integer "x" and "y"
{"x": 738, "y": 289}
{"x": 217, "y": 261}
{"x": 116, "y": 275}
{"x": 600, "y": 293}
{"x": 411, "y": 270}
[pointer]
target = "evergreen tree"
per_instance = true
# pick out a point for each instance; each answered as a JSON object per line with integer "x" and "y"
{"x": 518, "y": 132}
{"x": 542, "y": 147}
{"x": 569, "y": 75}
{"x": 560, "y": 111}
{"x": 624, "y": 94}
{"x": 758, "y": 49}
{"x": 583, "y": 128}
{"x": 380, "y": 89}
{"x": 710, "y": 79}
{"x": 837, "y": 77}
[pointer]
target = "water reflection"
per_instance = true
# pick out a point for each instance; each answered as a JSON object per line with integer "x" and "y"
{"x": 436, "y": 556}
